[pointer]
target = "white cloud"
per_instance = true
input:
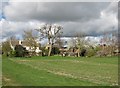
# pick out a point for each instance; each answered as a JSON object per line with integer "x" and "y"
{"x": 10, "y": 28}
{"x": 91, "y": 18}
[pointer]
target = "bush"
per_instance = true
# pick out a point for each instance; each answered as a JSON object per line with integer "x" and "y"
{"x": 6, "y": 49}
{"x": 90, "y": 52}
{"x": 20, "y": 51}
{"x": 97, "y": 48}
{"x": 44, "y": 51}
{"x": 83, "y": 52}
{"x": 55, "y": 50}
{"x": 12, "y": 53}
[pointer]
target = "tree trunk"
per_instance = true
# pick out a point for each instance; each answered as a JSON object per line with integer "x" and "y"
{"x": 51, "y": 46}
{"x": 50, "y": 49}
{"x": 78, "y": 52}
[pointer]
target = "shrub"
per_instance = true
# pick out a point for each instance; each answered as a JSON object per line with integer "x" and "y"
{"x": 55, "y": 50}
{"x": 83, "y": 52}
{"x": 6, "y": 49}
{"x": 44, "y": 51}
{"x": 97, "y": 48}
{"x": 20, "y": 51}
{"x": 90, "y": 52}
{"x": 12, "y": 53}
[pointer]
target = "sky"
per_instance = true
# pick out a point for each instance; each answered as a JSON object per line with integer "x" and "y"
{"x": 91, "y": 18}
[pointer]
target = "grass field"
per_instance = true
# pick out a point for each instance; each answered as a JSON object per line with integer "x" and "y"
{"x": 0, "y": 71}
{"x": 60, "y": 71}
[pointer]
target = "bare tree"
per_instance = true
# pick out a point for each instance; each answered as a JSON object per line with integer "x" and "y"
{"x": 111, "y": 42}
{"x": 114, "y": 44}
{"x": 80, "y": 42}
{"x": 30, "y": 39}
{"x": 58, "y": 40}
{"x": 50, "y": 32}
{"x": 13, "y": 42}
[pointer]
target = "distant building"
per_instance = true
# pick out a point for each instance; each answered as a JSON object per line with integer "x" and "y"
{"x": 24, "y": 44}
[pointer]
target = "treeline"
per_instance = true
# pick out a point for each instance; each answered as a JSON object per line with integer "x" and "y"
{"x": 79, "y": 46}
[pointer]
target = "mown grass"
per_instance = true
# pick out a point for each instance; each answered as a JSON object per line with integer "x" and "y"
{"x": 61, "y": 71}
{"x": 0, "y": 70}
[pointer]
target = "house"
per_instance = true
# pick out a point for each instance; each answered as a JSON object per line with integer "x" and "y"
{"x": 32, "y": 50}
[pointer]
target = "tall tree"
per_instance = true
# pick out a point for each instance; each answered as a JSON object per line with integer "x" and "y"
{"x": 50, "y": 32}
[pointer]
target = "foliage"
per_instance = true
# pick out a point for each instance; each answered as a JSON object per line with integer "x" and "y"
{"x": 90, "y": 52}
{"x": 83, "y": 52}
{"x": 55, "y": 50}
{"x": 44, "y": 51}
{"x": 12, "y": 53}
{"x": 20, "y": 51}
{"x": 6, "y": 48}
{"x": 97, "y": 48}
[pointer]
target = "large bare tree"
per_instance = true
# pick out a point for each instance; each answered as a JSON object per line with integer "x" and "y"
{"x": 51, "y": 32}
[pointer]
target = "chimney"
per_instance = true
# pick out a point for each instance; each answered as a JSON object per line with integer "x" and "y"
{"x": 20, "y": 42}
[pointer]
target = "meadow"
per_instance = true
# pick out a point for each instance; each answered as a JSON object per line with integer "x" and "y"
{"x": 60, "y": 71}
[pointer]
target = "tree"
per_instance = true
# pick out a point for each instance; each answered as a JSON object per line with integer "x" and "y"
{"x": 59, "y": 41}
{"x": 50, "y": 32}
{"x": 20, "y": 51}
{"x": 6, "y": 48}
{"x": 115, "y": 43}
{"x": 80, "y": 42}
{"x": 30, "y": 39}
{"x": 110, "y": 42}
{"x": 72, "y": 43}
{"x": 13, "y": 41}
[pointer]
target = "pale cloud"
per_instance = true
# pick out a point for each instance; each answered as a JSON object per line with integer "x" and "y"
{"x": 92, "y": 18}
{"x": 10, "y": 28}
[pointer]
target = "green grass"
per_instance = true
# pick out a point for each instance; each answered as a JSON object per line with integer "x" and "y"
{"x": 61, "y": 71}
{"x": 0, "y": 71}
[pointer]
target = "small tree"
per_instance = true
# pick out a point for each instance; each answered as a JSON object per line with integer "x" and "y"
{"x": 80, "y": 42}
{"x": 6, "y": 48}
{"x": 30, "y": 39}
{"x": 111, "y": 42}
{"x": 20, "y": 51}
{"x": 50, "y": 32}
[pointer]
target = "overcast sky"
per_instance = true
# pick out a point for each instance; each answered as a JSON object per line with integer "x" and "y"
{"x": 92, "y": 18}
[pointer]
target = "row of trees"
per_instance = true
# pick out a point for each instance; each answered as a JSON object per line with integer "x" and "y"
{"x": 49, "y": 31}
{"x": 53, "y": 34}
{"x": 108, "y": 45}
